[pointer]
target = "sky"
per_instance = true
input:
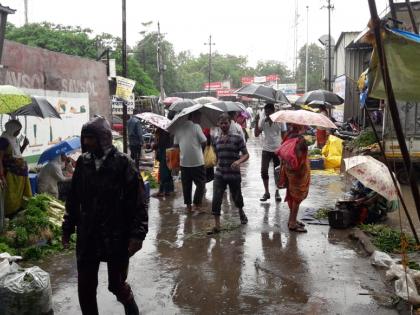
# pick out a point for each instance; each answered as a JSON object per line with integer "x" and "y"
{"x": 259, "y": 30}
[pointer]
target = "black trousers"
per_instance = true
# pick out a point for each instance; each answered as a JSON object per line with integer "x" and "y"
{"x": 196, "y": 175}
{"x": 265, "y": 162}
{"x": 219, "y": 187}
{"x": 87, "y": 276}
{"x": 135, "y": 153}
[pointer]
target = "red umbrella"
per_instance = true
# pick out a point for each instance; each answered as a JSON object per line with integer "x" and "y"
{"x": 155, "y": 119}
{"x": 303, "y": 117}
{"x": 172, "y": 99}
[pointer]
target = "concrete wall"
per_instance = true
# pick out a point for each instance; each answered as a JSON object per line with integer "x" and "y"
{"x": 36, "y": 68}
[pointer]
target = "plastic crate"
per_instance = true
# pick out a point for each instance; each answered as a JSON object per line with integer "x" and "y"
{"x": 317, "y": 164}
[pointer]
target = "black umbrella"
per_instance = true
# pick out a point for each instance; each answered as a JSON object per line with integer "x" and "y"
{"x": 263, "y": 92}
{"x": 318, "y": 104}
{"x": 39, "y": 107}
{"x": 180, "y": 105}
{"x": 319, "y": 95}
{"x": 228, "y": 106}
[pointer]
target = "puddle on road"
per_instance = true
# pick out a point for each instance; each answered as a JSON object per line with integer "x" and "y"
{"x": 259, "y": 268}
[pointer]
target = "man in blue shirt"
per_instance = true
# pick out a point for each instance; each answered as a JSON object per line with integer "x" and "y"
{"x": 135, "y": 137}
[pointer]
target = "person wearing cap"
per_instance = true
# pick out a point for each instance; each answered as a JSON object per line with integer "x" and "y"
{"x": 273, "y": 133}
{"x": 106, "y": 204}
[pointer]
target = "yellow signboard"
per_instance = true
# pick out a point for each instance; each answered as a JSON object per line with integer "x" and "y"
{"x": 124, "y": 88}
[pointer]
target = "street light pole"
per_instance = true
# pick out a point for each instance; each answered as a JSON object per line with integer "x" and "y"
{"x": 210, "y": 44}
{"x": 161, "y": 67}
{"x": 307, "y": 49}
{"x": 124, "y": 70}
{"x": 329, "y": 44}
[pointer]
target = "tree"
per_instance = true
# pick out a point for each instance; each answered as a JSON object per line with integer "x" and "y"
{"x": 73, "y": 40}
{"x": 274, "y": 67}
{"x": 315, "y": 67}
{"x": 145, "y": 53}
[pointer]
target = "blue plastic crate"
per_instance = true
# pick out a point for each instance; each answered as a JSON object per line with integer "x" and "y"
{"x": 317, "y": 164}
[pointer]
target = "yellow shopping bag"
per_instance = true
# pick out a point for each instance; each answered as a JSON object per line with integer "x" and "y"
{"x": 332, "y": 152}
{"x": 210, "y": 158}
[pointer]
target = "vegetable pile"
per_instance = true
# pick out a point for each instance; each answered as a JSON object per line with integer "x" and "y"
{"x": 365, "y": 139}
{"x": 35, "y": 231}
{"x": 387, "y": 239}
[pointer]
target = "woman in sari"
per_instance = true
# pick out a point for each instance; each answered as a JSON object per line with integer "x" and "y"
{"x": 296, "y": 174}
{"x": 14, "y": 180}
{"x": 166, "y": 183}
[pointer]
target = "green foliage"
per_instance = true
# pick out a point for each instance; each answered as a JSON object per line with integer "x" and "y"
{"x": 315, "y": 67}
{"x": 73, "y": 40}
{"x": 366, "y": 138}
{"x": 387, "y": 239}
{"x": 65, "y": 39}
{"x": 35, "y": 231}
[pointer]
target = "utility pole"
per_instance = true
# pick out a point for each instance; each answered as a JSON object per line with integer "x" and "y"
{"x": 161, "y": 66}
{"x": 329, "y": 7}
{"x": 26, "y": 11}
{"x": 210, "y": 43}
{"x": 295, "y": 41}
{"x": 307, "y": 49}
{"x": 124, "y": 70}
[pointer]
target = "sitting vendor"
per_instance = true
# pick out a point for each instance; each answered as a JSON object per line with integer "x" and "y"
{"x": 51, "y": 174}
{"x": 373, "y": 207}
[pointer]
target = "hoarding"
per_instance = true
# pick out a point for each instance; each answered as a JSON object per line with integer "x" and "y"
{"x": 42, "y": 133}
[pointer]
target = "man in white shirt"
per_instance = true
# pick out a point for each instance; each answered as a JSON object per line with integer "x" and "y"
{"x": 191, "y": 140}
{"x": 273, "y": 133}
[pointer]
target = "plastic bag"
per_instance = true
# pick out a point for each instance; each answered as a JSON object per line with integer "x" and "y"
{"x": 25, "y": 291}
{"x": 287, "y": 152}
{"x": 381, "y": 259}
{"x": 332, "y": 152}
{"x": 210, "y": 158}
{"x": 173, "y": 158}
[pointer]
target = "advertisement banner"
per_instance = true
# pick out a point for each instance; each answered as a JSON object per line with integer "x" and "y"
{"x": 213, "y": 85}
{"x": 247, "y": 80}
{"x": 340, "y": 86}
{"x": 288, "y": 89}
{"x": 117, "y": 105}
{"x": 43, "y": 133}
{"x": 124, "y": 88}
{"x": 226, "y": 92}
{"x": 260, "y": 79}
{"x": 272, "y": 77}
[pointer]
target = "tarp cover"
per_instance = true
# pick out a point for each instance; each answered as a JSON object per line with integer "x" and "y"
{"x": 402, "y": 51}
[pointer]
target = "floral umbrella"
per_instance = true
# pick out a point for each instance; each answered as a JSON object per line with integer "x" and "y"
{"x": 373, "y": 174}
{"x": 303, "y": 117}
{"x": 155, "y": 119}
{"x": 170, "y": 100}
{"x": 12, "y": 98}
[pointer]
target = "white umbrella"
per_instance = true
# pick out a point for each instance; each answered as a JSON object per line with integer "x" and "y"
{"x": 209, "y": 116}
{"x": 155, "y": 119}
{"x": 302, "y": 117}
{"x": 373, "y": 174}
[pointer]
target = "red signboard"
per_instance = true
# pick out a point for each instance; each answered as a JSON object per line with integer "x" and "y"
{"x": 272, "y": 77}
{"x": 213, "y": 85}
{"x": 226, "y": 92}
{"x": 247, "y": 80}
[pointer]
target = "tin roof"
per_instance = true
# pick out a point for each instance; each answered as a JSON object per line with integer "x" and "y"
{"x": 8, "y": 10}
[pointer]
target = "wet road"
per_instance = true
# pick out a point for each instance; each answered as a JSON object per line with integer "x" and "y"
{"x": 259, "y": 268}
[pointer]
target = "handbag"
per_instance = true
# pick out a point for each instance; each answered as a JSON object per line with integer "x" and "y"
{"x": 210, "y": 158}
{"x": 173, "y": 158}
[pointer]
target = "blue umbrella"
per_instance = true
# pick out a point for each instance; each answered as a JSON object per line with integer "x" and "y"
{"x": 59, "y": 148}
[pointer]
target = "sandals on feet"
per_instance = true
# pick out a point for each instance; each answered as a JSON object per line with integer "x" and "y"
{"x": 265, "y": 197}
{"x": 300, "y": 223}
{"x": 298, "y": 228}
{"x": 244, "y": 219}
{"x": 213, "y": 231}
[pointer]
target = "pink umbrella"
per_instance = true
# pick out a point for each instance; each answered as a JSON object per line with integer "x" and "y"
{"x": 303, "y": 117}
{"x": 172, "y": 99}
{"x": 154, "y": 119}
